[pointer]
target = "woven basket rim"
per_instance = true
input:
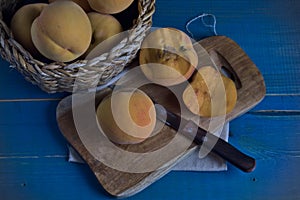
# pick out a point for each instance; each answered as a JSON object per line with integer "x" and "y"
{"x": 41, "y": 73}
{"x": 63, "y": 63}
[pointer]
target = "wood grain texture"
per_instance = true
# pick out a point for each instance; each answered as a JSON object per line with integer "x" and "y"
{"x": 225, "y": 53}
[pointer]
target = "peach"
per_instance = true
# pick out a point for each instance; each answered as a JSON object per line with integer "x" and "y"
{"x": 105, "y": 46}
{"x": 84, "y": 4}
{"x": 62, "y": 32}
{"x": 110, "y": 6}
{"x": 127, "y": 117}
{"x": 21, "y": 25}
{"x": 104, "y": 26}
{"x": 211, "y": 89}
{"x": 167, "y": 57}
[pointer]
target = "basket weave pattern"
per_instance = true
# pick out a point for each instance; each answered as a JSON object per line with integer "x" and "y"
{"x": 59, "y": 77}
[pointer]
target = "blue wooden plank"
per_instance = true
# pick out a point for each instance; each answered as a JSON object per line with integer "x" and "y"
{"x": 56, "y": 179}
{"x": 30, "y": 129}
{"x": 28, "y": 112}
{"x": 278, "y": 103}
{"x": 267, "y": 135}
{"x": 47, "y": 178}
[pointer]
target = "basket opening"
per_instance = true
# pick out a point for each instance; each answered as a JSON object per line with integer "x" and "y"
{"x": 127, "y": 17}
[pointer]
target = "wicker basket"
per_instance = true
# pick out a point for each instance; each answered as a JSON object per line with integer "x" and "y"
{"x": 59, "y": 77}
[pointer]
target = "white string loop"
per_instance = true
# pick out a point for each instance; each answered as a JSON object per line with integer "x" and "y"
{"x": 202, "y": 16}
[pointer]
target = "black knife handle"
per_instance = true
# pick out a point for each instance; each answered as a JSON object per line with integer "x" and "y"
{"x": 226, "y": 151}
{"x": 202, "y": 137}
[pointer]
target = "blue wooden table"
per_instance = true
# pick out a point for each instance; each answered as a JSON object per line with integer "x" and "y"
{"x": 33, "y": 153}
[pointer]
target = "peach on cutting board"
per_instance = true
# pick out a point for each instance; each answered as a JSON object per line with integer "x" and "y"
{"x": 104, "y": 26}
{"x": 84, "y": 4}
{"x": 127, "y": 117}
{"x": 167, "y": 57}
{"x": 21, "y": 25}
{"x": 62, "y": 32}
{"x": 216, "y": 94}
{"x": 110, "y": 6}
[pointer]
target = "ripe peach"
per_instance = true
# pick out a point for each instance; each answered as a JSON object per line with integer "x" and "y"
{"x": 84, "y": 4}
{"x": 21, "y": 25}
{"x": 109, "y": 6}
{"x": 127, "y": 117}
{"x": 167, "y": 56}
{"x": 211, "y": 89}
{"x": 104, "y": 26}
{"x": 105, "y": 46}
{"x": 62, "y": 32}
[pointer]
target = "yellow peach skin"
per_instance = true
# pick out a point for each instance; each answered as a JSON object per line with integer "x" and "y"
{"x": 167, "y": 57}
{"x": 104, "y": 26}
{"x": 84, "y": 4}
{"x": 211, "y": 89}
{"x": 128, "y": 117}
{"x": 21, "y": 25}
{"x": 110, "y": 6}
{"x": 62, "y": 32}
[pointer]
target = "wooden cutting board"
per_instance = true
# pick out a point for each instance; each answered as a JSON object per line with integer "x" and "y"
{"x": 226, "y": 54}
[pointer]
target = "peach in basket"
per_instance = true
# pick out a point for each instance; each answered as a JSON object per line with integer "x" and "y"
{"x": 55, "y": 32}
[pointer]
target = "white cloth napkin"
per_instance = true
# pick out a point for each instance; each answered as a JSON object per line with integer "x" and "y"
{"x": 211, "y": 162}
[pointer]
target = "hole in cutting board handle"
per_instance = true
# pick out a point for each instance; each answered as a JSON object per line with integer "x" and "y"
{"x": 232, "y": 75}
{"x": 225, "y": 68}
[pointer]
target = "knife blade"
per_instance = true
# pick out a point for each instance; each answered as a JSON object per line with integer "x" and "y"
{"x": 203, "y": 137}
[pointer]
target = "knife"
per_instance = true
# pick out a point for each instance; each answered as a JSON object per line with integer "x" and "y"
{"x": 203, "y": 137}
